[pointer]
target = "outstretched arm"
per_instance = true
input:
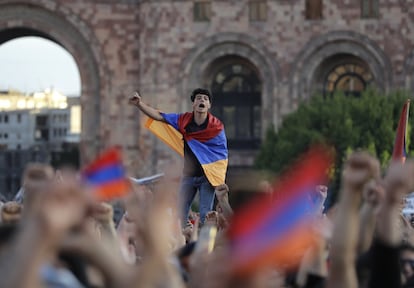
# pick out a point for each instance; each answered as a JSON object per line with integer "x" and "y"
{"x": 385, "y": 269}
{"x": 221, "y": 192}
{"x": 136, "y": 100}
{"x": 359, "y": 169}
{"x": 373, "y": 195}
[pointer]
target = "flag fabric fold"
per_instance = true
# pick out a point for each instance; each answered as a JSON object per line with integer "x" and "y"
{"x": 399, "y": 152}
{"x": 277, "y": 232}
{"x": 209, "y": 145}
{"x": 106, "y": 176}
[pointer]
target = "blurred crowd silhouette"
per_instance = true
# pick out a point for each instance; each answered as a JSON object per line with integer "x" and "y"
{"x": 60, "y": 235}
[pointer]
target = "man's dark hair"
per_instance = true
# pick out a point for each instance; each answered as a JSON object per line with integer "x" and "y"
{"x": 201, "y": 91}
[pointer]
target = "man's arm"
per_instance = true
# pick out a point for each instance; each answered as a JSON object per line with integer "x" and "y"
{"x": 136, "y": 100}
{"x": 385, "y": 268}
{"x": 373, "y": 195}
{"x": 359, "y": 169}
{"x": 221, "y": 192}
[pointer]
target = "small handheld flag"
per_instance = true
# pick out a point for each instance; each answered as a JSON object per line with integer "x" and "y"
{"x": 147, "y": 180}
{"x": 106, "y": 176}
{"x": 399, "y": 153}
{"x": 276, "y": 232}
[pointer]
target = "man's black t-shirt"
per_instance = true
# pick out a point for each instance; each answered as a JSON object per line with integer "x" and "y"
{"x": 192, "y": 166}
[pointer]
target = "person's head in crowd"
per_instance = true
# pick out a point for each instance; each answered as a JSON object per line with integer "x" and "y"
{"x": 407, "y": 262}
{"x": 201, "y": 99}
{"x": 67, "y": 173}
{"x": 36, "y": 178}
{"x": 406, "y": 230}
{"x": 184, "y": 254}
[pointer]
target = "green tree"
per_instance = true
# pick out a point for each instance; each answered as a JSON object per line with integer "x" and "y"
{"x": 345, "y": 123}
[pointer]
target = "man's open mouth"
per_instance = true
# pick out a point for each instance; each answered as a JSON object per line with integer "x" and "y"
{"x": 201, "y": 105}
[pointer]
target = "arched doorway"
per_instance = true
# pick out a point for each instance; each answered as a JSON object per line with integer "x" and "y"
{"x": 237, "y": 90}
{"x": 211, "y": 56}
{"x": 81, "y": 44}
{"x": 39, "y": 107}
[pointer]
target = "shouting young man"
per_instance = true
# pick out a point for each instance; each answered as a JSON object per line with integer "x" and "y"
{"x": 201, "y": 140}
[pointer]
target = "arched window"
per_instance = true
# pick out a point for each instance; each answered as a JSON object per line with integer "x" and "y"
{"x": 237, "y": 102}
{"x": 350, "y": 78}
{"x": 342, "y": 72}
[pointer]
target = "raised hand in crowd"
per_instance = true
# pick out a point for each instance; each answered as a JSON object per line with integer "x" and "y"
{"x": 385, "y": 270}
{"x": 222, "y": 195}
{"x": 60, "y": 230}
{"x": 105, "y": 266}
{"x": 321, "y": 193}
{"x": 188, "y": 232}
{"x": 103, "y": 214}
{"x": 135, "y": 100}
{"x": 11, "y": 212}
{"x": 211, "y": 218}
{"x": 398, "y": 182}
{"x": 126, "y": 234}
{"x": 313, "y": 269}
{"x": 53, "y": 211}
{"x": 156, "y": 227}
{"x": 359, "y": 169}
{"x": 373, "y": 197}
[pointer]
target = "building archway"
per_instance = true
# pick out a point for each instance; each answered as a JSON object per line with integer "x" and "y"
{"x": 231, "y": 44}
{"x": 200, "y": 62}
{"x": 18, "y": 20}
{"x": 333, "y": 46}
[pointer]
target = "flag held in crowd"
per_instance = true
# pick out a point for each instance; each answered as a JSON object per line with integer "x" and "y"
{"x": 277, "y": 232}
{"x": 106, "y": 176}
{"x": 209, "y": 146}
{"x": 400, "y": 153}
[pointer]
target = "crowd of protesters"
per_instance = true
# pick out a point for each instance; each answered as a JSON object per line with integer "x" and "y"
{"x": 61, "y": 237}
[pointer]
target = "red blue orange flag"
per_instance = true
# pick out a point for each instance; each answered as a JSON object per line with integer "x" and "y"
{"x": 277, "y": 232}
{"x": 106, "y": 176}
{"x": 208, "y": 145}
{"x": 400, "y": 153}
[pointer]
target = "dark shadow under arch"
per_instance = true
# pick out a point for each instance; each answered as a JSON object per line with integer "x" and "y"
{"x": 17, "y": 32}
{"x": 237, "y": 88}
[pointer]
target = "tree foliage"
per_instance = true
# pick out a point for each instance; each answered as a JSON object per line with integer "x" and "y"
{"x": 345, "y": 123}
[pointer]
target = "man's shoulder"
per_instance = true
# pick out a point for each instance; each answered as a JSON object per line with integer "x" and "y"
{"x": 186, "y": 114}
{"x": 214, "y": 120}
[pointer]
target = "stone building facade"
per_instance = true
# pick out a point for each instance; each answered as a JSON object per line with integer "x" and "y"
{"x": 260, "y": 58}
